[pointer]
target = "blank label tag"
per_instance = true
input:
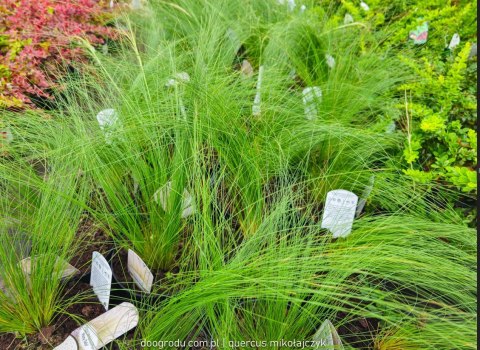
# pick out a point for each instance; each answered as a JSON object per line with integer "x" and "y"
{"x": 163, "y": 193}
{"x": 330, "y": 61}
{"x": 256, "y": 110}
{"x": 311, "y": 97}
{"x": 139, "y": 271}
{"x": 347, "y": 19}
{"x": 327, "y": 337}
{"x": 101, "y": 278}
{"x": 454, "y": 42}
{"x": 108, "y": 122}
{"x": 339, "y": 212}
{"x": 60, "y": 264}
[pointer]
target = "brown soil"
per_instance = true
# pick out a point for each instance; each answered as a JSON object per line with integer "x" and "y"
{"x": 93, "y": 239}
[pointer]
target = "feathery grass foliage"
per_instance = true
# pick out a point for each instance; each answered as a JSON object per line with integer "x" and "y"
{"x": 253, "y": 261}
{"x": 42, "y": 200}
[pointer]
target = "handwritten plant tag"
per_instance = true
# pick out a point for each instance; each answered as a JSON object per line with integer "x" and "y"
{"x": 454, "y": 42}
{"x": 365, "y": 194}
{"x": 163, "y": 194}
{"x": 339, "y": 212}
{"x": 109, "y": 123}
{"x": 347, "y": 19}
{"x": 101, "y": 278}
{"x": 312, "y": 96}
{"x": 419, "y": 35}
{"x": 60, "y": 264}
{"x": 364, "y": 6}
{"x": 327, "y": 337}
{"x": 330, "y": 61}
{"x": 256, "y": 110}
{"x": 102, "y": 330}
{"x": 139, "y": 271}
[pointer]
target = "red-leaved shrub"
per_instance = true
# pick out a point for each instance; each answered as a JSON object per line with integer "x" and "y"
{"x": 38, "y": 35}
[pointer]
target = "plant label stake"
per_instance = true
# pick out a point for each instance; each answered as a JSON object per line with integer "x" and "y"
{"x": 102, "y": 330}
{"x": 327, "y": 337}
{"x": 330, "y": 61}
{"x": 163, "y": 194}
{"x": 108, "y": 122}
{"x": 101, "y": 278}
{"x": 419, "y": 35}
{"x": 364, "y": 6}
{"x": 67, "y": 269}
{"x": 311, "y": 96}
{"x": 233, "y": 39}
{"x": 339, "y": 212}
{"x": 473, "y": 51}
{"x": 246, "y": 69}
{"x": 181, "y": 77}
{"x": 347, "y": 19}
{"x": 303, "y": 8}
{"x": 256, "y": 102}
{"x": 139, "y": 271}
{"x": 290, "y": 4}
{"x": 365, "y": 195}
{"x": 136, "y": 4}
{"x": 454, "y": 42}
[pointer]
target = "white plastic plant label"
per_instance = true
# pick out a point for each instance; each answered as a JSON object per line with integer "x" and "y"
{"x": 101, "y": 278}
{"x": 347, "y": 19}
{"x": 246, "y": 69}
{"x": 339, "y": 212}
{"x": 256, "y": 110}
{"x": 312, "y": 96}
{"x": 290, "y": 4}
{"x": 303, "y": 8}
{"x": 181, "y": 77}
{"x": 327, "y": 337}
{"x": 139, "y": 271}
{"x": 102, "y": 330}
{"x": 365, "y": 194}
{"x": 163, "y": 193}
{"x": 330, "y": 61}
{"x": 454, "y": 42}
{"x": 136, "y": 4}
{"x": 87, "y": 338}
{"x": 108, "y": 122}
{"x": 473, "y": 51}
{"x": 66, "y": 269}
{"x": 364, "y": 6}
{"x": 390, "y": 129}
